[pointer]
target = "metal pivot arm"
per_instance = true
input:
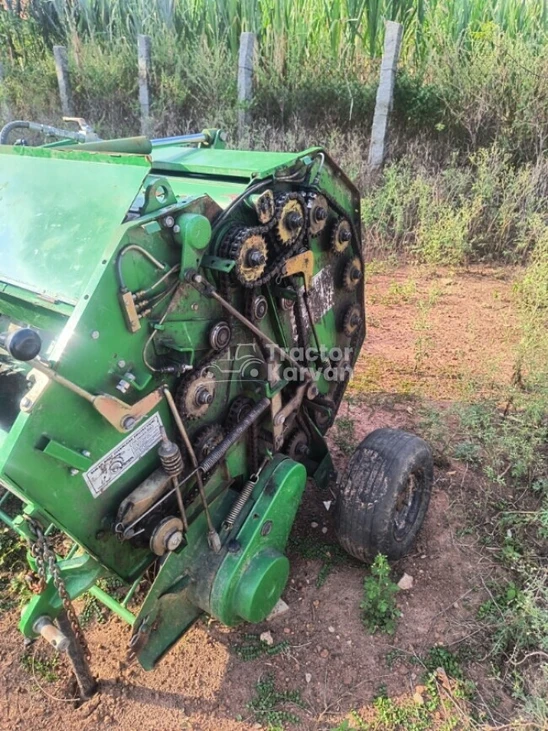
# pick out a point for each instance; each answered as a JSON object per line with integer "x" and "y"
{"x": 122, "y": 416}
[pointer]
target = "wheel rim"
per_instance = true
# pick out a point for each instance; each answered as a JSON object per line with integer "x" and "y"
{"x": 408, "y": 504}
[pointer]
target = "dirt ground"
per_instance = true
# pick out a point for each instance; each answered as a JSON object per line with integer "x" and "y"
{"x": 437, "y": 335}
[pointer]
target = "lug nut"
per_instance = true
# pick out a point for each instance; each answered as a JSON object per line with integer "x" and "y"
{"x": 255, "y": 258}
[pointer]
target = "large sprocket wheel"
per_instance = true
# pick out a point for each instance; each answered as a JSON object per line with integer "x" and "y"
{"x": 291, "y": 218}
{"x": 196, "y": 395}
{"x": 249, "y": 250}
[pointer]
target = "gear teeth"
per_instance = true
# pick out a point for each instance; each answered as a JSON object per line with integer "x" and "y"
{"x": 352, "y": 274}
{"x": 206, "y": 439}
{"x": 352, "y": 320}
{"x": 236, "y": 245}
{"x": 337, "y": 244}
{"x": 287, "y": 203}
{"x": 238, "y": 409}
{"x": 297, "y": 445}
{"x": 185, "y": 404}
{"x": 314, "y": 203}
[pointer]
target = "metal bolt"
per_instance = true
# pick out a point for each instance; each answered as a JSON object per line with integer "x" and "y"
{"x": 302, "y": 450}
{"x": 169, "y": 222}
{"x": 255, "y": 258}
{"x": 176, "y": 229}
{"x": 294, "y": 220}
{"x": 280, "y": 419}
{"x": 86, "y": 453}
{"x": 194, "y": 307}
{"x": 95, "y": 335}
{"x": 128, "y": 422}
{"x": 173, "y": 540}
{"x": 267, "y": 527}
{"x": 320, "y": 214}
{"x": 74, "y": 472}
{"x": 345, "y": 235}
{"x": 204, "y": 397}
{"x": 121, "y": 364}
{"x": 26, "y": 403}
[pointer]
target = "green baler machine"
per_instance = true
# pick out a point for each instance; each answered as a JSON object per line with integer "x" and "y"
{"x": 178, "y": 324}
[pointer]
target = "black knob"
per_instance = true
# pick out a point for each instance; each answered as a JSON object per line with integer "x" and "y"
{"x": 24, "y": 344}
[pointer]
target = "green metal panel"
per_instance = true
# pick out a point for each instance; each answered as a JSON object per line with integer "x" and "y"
{"x": 57, "y": 210}
{"x": 223, "y": 163}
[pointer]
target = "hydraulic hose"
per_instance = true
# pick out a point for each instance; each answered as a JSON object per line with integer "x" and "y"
{"x": 44, "y": 129}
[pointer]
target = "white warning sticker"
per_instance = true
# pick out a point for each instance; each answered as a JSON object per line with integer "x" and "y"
{"x": 120, "y": 459}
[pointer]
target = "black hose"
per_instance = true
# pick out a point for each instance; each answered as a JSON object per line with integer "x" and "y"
{"x": 17, "y": 124}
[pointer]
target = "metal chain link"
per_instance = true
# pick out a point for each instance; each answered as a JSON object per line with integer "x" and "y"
{"x": 46, "y": 560}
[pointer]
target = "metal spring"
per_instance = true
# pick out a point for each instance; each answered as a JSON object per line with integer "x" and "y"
{"x": 240, "y": 502}
{"x": 171, "y": 458}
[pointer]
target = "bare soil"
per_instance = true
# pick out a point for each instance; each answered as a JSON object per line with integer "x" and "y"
{"x": 449, "y": 333}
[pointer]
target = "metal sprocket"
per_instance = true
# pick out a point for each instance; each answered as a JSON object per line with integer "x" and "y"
{"x": 196, "y": 394}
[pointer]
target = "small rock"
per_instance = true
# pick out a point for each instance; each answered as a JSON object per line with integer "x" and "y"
{"x": 324, "y": 530}
{"x": 406, "y": 582}
{"x": 419, "y": 700}
{"x": 308, "y": 677}
{"x": 287, "y": 631}
{"x": 327, "y": 504}
{"x": 402, "y": 670}
{"x": 280, "y": 608}
{"x": 324, "y": 653}
{"x": 331, "y": 629}
{"x": 314, "y": 524}
{"x": 267, "y": 637}
{"x": 423, "y": 555}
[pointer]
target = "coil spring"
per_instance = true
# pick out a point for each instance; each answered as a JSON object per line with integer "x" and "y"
{"x": 240, "y": 502}
{"x": 171, "y": 458}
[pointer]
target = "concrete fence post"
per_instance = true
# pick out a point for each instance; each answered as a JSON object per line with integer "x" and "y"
{"x": 385, "y": 93}
{"x": 63, "y": 79}
{"x": 245, "y": 80}
{"x": 144, "y": 67}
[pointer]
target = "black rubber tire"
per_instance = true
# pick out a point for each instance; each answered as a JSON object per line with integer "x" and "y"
{"x": 388, "y": 466}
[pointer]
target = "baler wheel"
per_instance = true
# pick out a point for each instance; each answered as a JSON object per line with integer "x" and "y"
{"x": 384, "y": 495}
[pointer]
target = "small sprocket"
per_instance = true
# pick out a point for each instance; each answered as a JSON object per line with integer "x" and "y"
{"x": 352, "y": 274}
{"x": 196, "y": 395}
{"x": 290, "y": 218}
{"x": 352, "y": 320}
{"x": 206, "y": 439}
{"x": 318, "y": 211}
{"x": 249, "y": 250}
{"x": 341, "y": 236}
